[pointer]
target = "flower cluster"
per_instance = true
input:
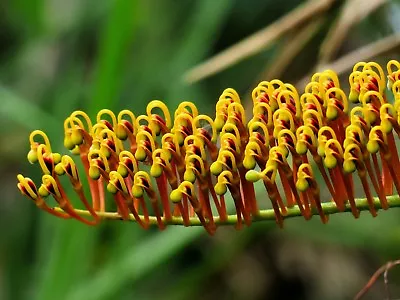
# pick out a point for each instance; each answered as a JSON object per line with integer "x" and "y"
{"x": 162, "y": 169}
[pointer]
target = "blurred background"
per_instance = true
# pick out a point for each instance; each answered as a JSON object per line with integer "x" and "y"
{"x": 57, "y": 56}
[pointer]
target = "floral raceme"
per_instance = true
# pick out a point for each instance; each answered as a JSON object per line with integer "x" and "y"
{"x": 314, "y": 153}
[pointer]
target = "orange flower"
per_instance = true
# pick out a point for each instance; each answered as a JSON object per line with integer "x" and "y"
{"x": 163, "y": 170}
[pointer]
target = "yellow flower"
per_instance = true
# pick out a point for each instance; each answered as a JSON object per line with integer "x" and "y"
{"x": 163, "y": 170}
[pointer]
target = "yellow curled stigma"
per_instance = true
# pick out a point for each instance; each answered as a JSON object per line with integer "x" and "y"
{"x": 294, "y": 96}
{"x": 116, "y": 183}
{"x": 49, "y": 186}
{"x": 302, "y": 142}
{"x": 123, "y": 168}
{"x": 254, "y": 126}
{"x": 182, "y": 120}
{"x": 93, "y": 156}
{"x": 97, "y": 135}
{"x": 282, "y": 141}
{"x": 221, "y": 113}
{"x": 121, "y": 130}
{"x": 263, "y": 108}
{"x": 332, "y": 111}
{"x": 392, "y": 63}
{"x": 354, "y": 81}
{"x": 229, "y": 128}
{"x": 78, "y": 114}
{"x": 97, "y": 129}
{"x": 381, "y": 75}
{"x": 358, "y": 117}
{"x": 386, "y": 113}
{"x": 175, "y": 142}
{"x": 315, "y": 77}
{"x": 110, "y": 114}
{"x": 196, "y": 142}
{"x": 107, "y": 134}
{"x": 304, "y": 174}
{"x": 210, "y": 123}
{"x": 222, "y": 105}
{"x": 252, "y": 149}
{"x": 274, "y": 158}
{"x": 314, "y": 116}
{"x": 218, "y": 166}
{"x": 330, "y": 160}
{"x": 183, "y": 188}
{"x": 230, "y": 93}
{"x": 142, "y": 120}
{"x": 359, "y": 66}
{"x": 349, "y": 165}
{"x": 72, "y": 128}
{"x": 310, "y": 98}
{"x": 390, "y": 70}
{"x": 285, "y": 115}
{"x": 323, "y": 139}
{"x": 290, "y": 87}
{"x": 142, "y": 136}
{"x": 371, "y": 116}
{"x": 315, "y": 88}
{"x": 236, "y": 108}
{"x": 367, "y": 97}
{"x": 138, "y": 187}
{"x": 72, "y": 122}
{"x": 260, "y": 90}
{"x": 186, "y": 107}
{"x": 351, "y": 132}
{"x": 374, "y": 139}
{"x": 161, "y": 159}
{"x": 226, "y": 145}
{"x": 32, "y": 154}
{"x": 331, "y": 76}
{"x": 27, "y": 187}
{"x": 160, "y": 105}
{"x": 223, "y": 180}
{"x": 277, "y": 84}
{"x": 67, "y": 165}
{"x": 366, "y": 79}
{"x": 51, "y": 158}
{"x": 191, "y": 170}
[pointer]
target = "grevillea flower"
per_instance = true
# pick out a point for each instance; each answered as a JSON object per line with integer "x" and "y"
{"x": 163, "y": 169}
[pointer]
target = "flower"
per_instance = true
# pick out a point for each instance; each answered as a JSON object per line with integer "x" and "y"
{"x": 162, "y": 169}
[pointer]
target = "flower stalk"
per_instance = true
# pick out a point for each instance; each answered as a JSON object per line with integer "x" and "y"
{"x": 162, "y": 169}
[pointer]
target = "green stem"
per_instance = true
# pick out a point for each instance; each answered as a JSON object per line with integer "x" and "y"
{"x": 264, "y": 215}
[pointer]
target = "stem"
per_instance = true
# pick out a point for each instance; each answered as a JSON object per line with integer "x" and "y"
{"x": 328, "y": 208}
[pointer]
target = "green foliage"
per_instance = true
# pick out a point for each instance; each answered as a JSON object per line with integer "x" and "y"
{"x": 67, "y": 55}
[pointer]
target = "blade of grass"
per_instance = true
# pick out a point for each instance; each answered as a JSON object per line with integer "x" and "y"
{"x": 256, "y": 42}
{"x": 353, "y": 12}
{"x": 365, "y": 53}
{"x": 296, "y": 42}
{"x": 136, "y": 262}
{"x": 113, "y": 49}
{"x": 72, "y": 245}
{"x": 197, "y": 41}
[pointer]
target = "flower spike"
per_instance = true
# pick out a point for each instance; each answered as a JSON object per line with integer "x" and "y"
{"x": 179, "y": 167}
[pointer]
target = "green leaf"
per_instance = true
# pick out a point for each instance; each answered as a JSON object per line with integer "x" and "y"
{"x": 135, "y": 263}
{"x": 113, "y": 49}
